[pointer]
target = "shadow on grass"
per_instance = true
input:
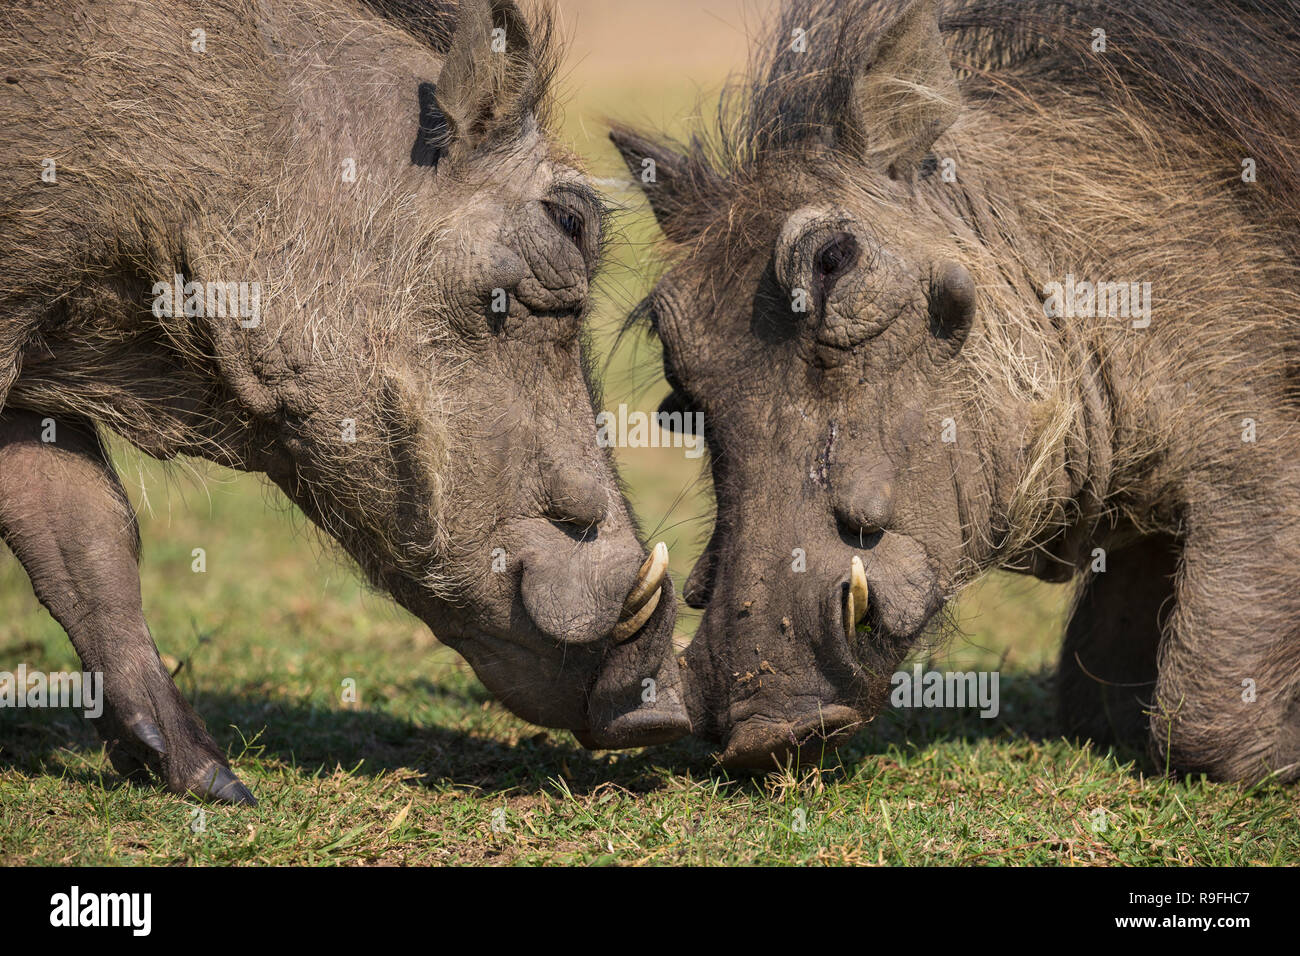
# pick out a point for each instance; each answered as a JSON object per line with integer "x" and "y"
{"x": 317, "y": 739}
{"x": 1027, "y": 712}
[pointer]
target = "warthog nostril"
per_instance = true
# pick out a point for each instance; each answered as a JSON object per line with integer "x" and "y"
{"x": 644, "y": 597}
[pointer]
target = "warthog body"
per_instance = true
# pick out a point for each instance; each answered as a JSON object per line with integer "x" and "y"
{"x": 887, "y": 311}
{"x": 329, "y": 241}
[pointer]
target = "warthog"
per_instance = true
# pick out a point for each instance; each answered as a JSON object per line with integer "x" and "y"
{"x": 331, "y": 242}
{"x": 887, "y": 309}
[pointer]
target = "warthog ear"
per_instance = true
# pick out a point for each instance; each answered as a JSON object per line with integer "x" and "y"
{"x": 487, "y": 86}
{"x": 904, "y": 93}
{"x": 667, "y": 178}
{"x": 432, "y": 140}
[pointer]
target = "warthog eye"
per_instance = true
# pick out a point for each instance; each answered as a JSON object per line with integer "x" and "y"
{"x": 570, "y": 222}
{"x": 837, "y": 256}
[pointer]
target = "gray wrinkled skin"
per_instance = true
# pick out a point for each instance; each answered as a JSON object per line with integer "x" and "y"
{"x": 431, "y": 435}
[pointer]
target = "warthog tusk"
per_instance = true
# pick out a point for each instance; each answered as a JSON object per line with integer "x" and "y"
{"x": 858, "y": 588}
{"x": 643, "y": 600}
{"x": 626, "y": 628}
{"x": 855, "y": 597}
{"x": 648, "y": 580}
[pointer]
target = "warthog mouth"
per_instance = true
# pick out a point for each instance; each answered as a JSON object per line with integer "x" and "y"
{"x": 616, "y": 687}
{"x": 636, "y": 698}
{"x": 759, "y": 741}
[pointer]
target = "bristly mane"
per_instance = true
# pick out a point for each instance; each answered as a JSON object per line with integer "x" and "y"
{"x": 430, "y": 21}
{"x": 1224, "y": 71}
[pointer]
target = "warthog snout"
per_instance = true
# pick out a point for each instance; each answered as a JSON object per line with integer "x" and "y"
{"x": 637, "y": 699}
{"x": 611, "y": 612}
{"x": 807, "y": 659}
{"x": 800, "y": 703}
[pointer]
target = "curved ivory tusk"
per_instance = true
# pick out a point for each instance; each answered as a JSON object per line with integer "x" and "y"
{"x": 855, "y": 598}
{"x": 626, "y": 628}
{"x": 858, "y": 585}
{"x": 648, "y": 580}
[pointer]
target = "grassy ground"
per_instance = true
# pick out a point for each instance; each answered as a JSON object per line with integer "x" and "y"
{"x": 427, "y": 768}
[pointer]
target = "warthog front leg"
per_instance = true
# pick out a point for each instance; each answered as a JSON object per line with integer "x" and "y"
{"x": 1227, "y": 702}
{"x": 64, "y": 514}
{"x": 1107, "y": 674}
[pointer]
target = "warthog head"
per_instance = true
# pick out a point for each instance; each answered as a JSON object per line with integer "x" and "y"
{"x": 824, "y": 319}
{"x": 410, "y": 364}
{"x": 444, "y": 429}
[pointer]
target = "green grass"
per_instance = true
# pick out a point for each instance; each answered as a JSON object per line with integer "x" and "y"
{"x": 427, "y": 768}
{"x": 414, "y": 773}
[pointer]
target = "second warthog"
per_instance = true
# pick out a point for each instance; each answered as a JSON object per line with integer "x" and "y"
{"x": 330, "y": 241}
{"x": 1036, "y": 312}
